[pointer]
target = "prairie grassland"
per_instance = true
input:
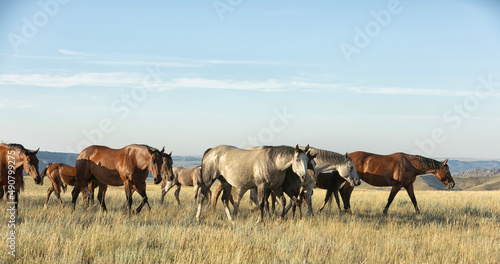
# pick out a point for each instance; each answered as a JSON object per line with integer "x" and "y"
{"x": 454, "y": 227}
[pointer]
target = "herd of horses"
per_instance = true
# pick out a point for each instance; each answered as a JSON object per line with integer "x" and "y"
{"x": 267, "y": 171}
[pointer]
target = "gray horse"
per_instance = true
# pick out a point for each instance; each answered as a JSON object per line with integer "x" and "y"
{"x": 181, "y": 177}
{"x": 263, "y": 168}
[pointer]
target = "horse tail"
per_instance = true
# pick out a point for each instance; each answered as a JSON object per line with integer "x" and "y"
{"x": 44, "y": 172}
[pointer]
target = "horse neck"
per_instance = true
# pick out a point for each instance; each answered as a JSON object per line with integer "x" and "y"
{"x": 141, "y": 159}
{"x": 327, "y": 160}
{"x": 283, "y": 161}
{"x": 423, "y": 165}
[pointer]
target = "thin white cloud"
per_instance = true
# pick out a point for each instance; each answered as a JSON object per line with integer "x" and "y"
{"x": 72, "y": 53}
{"x": 267, "y": 85}
{"x": 115, "y": 79}
{"x": 146, "y": 63}
{"x": 128, "y": 79}
{"x": 408, "y": 91}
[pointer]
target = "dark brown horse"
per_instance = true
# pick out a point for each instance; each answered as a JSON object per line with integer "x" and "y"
{"x": 62, "y": 175}
{"x": 126, "y": 167}
{"x": 14, "y": 158}
{"x": 332, "y": 182}
{"x": 397, "y": 170}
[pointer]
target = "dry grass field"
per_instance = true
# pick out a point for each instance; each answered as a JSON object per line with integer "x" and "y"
{"x": 454, "y": 227}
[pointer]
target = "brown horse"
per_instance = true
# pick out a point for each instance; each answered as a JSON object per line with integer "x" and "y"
{"x": 126, "y": 167}
{"x": 181, "y": 176}
{"x": 14, "y": 158}
{"x": 62, "y": 175}
{"x": 397, "y": 170}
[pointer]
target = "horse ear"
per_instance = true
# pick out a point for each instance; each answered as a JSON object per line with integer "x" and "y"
{"x": 162, "y": 150}
{"x": 444, "y": 162}
{"x": 170, "y": 154}
{"x": 36, "y": 151}
{"x": 346, "y": 155}
{"x": 297, "y": 147}
{"x": 307, "y": 148}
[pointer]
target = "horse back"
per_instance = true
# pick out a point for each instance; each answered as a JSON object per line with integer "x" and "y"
{"x": 378, "y": 170}
{"x": 105, "y": 164}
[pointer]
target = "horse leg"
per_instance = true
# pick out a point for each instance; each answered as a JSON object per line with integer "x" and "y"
{"x": 57, "y": 190}
{"x": 196, "y": 189}
{"x": 49, "y": 192}
{"x": 165, "y": 190}
{"x": 91, "y": 188}
{"x": 201, "y": 198}
{"x": 128, "y": 193}
{"x": 261, "y": 194}
{"x": 226, "y": 193}
{"x": 218, "y": 191}
{"x": 409, "y": 190}
{"x": 266, "y": 206}
{"x": 328, "y": 195}
{"x": 345, "y": 193}
{"x": 101, "y": 196}
{"x": 141, "y": 190}
{"x": 395, "y": 189}
{"x": 86, "y": 200}
{"x": 236, "y": 204}
{"x": 176, "y": 194}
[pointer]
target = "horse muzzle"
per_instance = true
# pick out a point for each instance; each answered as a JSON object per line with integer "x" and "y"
{"x": 357, "y": 182}
{"x": 157, "y": 180}
{"x": 450, "y": 185}
{"x": 38, "y": 180}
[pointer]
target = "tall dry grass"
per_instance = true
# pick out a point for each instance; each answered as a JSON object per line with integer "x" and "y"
{"x": 454, "y": 227}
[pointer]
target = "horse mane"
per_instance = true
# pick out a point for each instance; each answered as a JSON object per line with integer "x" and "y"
{"x": 426, "y": 162}
{"x": 334, "y": 157}
{"x": 152, "y": 149}
{"x": 206, "y": 152}
{"x": 19, "y": 147}
{"x": 278, "y": 150}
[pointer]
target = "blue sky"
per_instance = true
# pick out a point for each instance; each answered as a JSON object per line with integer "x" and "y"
{"x": 381, "y": 76}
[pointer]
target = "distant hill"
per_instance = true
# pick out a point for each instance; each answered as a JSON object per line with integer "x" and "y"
{"x": 70, "y": 158}
{"x": 478, "y": 173}
{"x": 457, "y": 166}
{"x": 476, "y": 180}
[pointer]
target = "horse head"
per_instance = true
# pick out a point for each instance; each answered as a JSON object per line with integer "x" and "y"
{"x": 166, "y": 168}
{"x": 300, "y": 163}
{"x": 311, "y": 165}
{"x": 348, "y": 172}
{"x": 30, "y": 165}
{"x": 155, "y": 164}
{"x": 443, "y": 174}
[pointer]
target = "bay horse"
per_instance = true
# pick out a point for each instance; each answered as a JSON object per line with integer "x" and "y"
{"x": 262, "y": 168}
{"x": 62, "y": 175}
{"x": 181, "y": 177}
{"x": 128, "y": 167}
{"x": 397, "y": 170}
{"x": 14, "y": 159}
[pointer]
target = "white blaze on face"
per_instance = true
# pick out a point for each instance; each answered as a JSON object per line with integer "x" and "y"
{"x": 299, "y": 165}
